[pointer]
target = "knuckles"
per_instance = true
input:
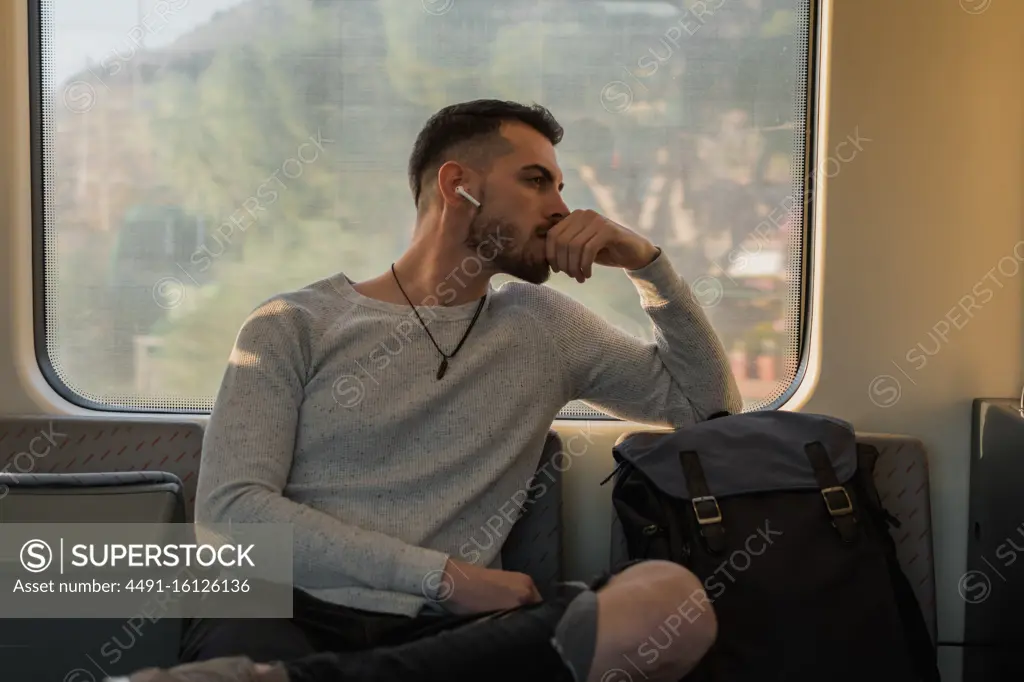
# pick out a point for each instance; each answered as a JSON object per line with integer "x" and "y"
{"x": 583, "y": 216}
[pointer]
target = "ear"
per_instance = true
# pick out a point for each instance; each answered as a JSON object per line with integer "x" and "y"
{"x": 452, "y": 175}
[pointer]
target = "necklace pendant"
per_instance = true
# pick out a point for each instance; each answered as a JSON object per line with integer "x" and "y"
{"x": 442, "y": 369}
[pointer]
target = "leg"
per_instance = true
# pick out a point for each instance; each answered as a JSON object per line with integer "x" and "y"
{"x": 261, "y": 640}
{"x": 582, "y": 636}
{"x": 315, "y": 626}
{"x": 653, "y": 617}
{"x": 331, "y": 627}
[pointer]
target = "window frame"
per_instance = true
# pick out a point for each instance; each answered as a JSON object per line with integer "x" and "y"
{"x": 40, "y": 296}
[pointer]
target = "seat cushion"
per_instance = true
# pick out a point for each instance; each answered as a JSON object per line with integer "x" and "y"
{"x": 90, "y": 649}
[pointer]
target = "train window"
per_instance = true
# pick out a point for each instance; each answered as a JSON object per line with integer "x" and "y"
{"x": 195, "y": 158}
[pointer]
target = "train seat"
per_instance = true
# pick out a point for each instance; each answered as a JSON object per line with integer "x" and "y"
{"x": 901, "y": 478}
{"x": 534, "y": 545}
{"x": 85, "y": 648}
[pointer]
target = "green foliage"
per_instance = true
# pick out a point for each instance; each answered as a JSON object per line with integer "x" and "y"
{"x": 781, "y": 24}
{"x": 234, "y": 141}
{"x": 198, "y": 334}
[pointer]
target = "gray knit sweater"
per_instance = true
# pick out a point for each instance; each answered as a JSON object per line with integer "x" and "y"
{"x": 330, "y": 417}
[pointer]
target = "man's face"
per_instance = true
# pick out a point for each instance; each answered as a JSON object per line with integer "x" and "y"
{"x": 520, "y": 201}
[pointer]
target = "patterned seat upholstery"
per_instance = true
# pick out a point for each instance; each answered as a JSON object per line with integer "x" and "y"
{"x": 42, "y": 445}
{"x": 901, "y": 478}
{"x": 534, "y": 545}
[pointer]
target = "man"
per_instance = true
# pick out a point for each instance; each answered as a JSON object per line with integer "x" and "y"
{"x": 387, "y": 420}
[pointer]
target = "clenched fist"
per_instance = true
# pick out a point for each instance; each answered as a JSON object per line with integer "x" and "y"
{"x": 585, "y": 237}
{"x": 468, "y": 588}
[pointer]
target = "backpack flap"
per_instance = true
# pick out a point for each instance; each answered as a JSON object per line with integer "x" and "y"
{"x": 755, "y": 452}
{"x": 744, "y": 453}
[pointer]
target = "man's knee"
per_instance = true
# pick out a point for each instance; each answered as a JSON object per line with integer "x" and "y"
{"x": 654, "y": 617}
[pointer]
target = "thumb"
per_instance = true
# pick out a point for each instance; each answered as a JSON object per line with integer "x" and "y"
{"x": 534, "y": 592}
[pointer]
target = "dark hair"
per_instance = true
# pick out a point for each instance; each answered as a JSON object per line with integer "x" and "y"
{"x": 471, "y": 122}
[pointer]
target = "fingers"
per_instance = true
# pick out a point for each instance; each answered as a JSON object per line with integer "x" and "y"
{"x": 551, "y": 245}
{"x": 567, "y": 244}
{"x": 573, "y": 253}
{"x": 534, "y": 594}
{"x": 559, "y": 236}
{"x": 528, "y": 593}
{"x": 583, "y": 250}
{"x": 587, "y": 252}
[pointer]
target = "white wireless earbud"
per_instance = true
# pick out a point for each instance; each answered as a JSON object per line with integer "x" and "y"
{"x": 462, "y": 190}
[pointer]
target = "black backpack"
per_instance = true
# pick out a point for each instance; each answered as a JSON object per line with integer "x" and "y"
{"x": 777, "y": 514}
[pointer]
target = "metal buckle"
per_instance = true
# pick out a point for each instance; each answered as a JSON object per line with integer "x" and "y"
{"x": 842, "y": 511}
{"x": 717, "y": 518}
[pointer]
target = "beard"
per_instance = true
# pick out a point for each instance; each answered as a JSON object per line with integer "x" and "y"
{"x": 493, "y": 239}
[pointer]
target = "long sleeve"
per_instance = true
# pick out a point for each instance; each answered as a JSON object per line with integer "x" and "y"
{"x": 682, "y": 377}
{"x": 247, "y": 454}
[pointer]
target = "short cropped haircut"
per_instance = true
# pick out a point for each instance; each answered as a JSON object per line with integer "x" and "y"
{"x": 469, "y": 132}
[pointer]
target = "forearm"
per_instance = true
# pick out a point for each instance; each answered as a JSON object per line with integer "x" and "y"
{"x": 326, "y": 552}
{"x": 687, "y": 344}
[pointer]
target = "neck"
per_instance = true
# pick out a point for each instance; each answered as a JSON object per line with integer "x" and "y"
{"x": 436, "y": 271}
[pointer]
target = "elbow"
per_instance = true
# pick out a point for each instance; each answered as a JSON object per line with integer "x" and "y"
{"x": 735, "y": 398}
{"x": 734, "y": 402}
{"x": 731, "y": 405}
{"x": 231, "y": 502}
{"x": 208, "y": 510}
{"x": 730, "y": 400}
{"x": 718, "y": 393}
{"x": 727, "y": 402}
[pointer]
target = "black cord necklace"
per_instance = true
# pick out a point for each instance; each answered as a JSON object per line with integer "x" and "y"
{"x": 444, "y": 362}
